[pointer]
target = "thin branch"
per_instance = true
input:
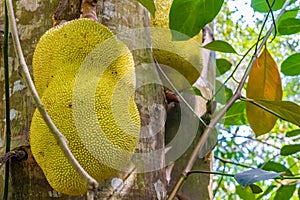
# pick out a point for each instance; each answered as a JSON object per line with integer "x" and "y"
{"x": 233, "y": 163}
{"x": 260, "y": 141}
{"x": 7, "y": 97}
{"x": 88, "y": 9}
{"x": 222, "y": 112}
{"x": 273, "y": 18}
{"x": 209, "y": 172}
{"x": 219, "y": 183}
{"x": 90, "y": 182}
{"x": 232, "y": 175}
{"x": 235, "y": 69}
{"x": 261, "y": 30}
{"x": 173, "y": 87}
{"x": 12, "y": 154}
{"x": 58, "y": 12}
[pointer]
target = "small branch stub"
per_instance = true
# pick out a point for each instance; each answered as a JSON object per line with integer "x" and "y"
{"x": 88, "y": 9}
{"x": 19, "y": 154}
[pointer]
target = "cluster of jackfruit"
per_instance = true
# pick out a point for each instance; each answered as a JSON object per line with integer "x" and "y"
{"x": 74, "y": 65}
{"x": 58, "y": 60}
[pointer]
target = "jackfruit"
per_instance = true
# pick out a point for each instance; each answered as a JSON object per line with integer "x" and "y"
{"x": 183, "y": 58}
{"x": 69, "y": 62}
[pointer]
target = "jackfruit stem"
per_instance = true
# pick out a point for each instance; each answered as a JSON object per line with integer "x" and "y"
{"x": 90, "y": 182}
{"x": 88, "y": 9}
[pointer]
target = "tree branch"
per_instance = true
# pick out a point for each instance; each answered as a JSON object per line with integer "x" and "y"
{"x": 58, "y": 12}
{"x": 223, "y": 111}
{"x": 7, "y": 98}
{"x": 231, "y": 162}
{"x": 90, "y": 182}
{"x": 12, "y": 154}
{"x": 88, "y": 9}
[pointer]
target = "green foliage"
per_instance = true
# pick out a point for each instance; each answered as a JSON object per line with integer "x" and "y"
{"x": 293, "y": 133}
{"x": 245, "y": 193}
{"x": 266, "y": 192}
{"x": 262, "y": 6}
{"x": 255, "y": 189}
{"x": 290, "y": 149}
{"x": 285, "y": 192}
{"x": 190, "y": 16}
{"x": 223, "y": 94}
{"x": 149, "y": 4}
{"x": 285, "y": 110}
{"x": 276, "y": 167}
{"x": 291, "y": 65}
{"x": 221, "y": 46}
{"x": 289, "y": 26}
{"x": 223, "y": 66}
{"x": 236, "y": 115}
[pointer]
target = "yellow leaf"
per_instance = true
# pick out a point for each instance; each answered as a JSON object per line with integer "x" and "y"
{"x": 263, "y": 83}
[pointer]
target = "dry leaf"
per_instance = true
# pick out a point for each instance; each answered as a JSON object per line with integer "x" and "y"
{"x": 264, "y": 83}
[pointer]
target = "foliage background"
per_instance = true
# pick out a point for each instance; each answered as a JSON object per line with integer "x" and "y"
{"x": 238, "y": 148}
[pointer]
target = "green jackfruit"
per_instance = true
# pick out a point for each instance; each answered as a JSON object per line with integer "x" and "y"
{"x": 64, "y": 63}
{"x": 182, "y": 56}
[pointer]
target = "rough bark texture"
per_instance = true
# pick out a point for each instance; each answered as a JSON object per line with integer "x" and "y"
{"x": 33, "y": 20}
{"x": 130, "y": 16}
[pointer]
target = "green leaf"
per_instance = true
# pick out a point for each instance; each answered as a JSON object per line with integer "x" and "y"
{"x": 293, "y": 133}
{"x": 290, "y": 149}
{"x": 249, "y": 177}
{"x": 223, "y": 93}
{"x": 276, "y": 167}
{"x": 221, "y": 46}
{"x": 236, "y": 115}
{"x": 223, "y": 66}
{"x": 268, "y": 190}
{"x": 288, "y": 14}
{"x": 244, "y": 193}
{"x": 285, "y": 110}
{"x": 262, "y": 6}
{"x": 149, "y": 4}
{"x": 194, "y": 91}
{"x": 291, "y": 65}
{"x": 289, "y": 26}
{"x": 190, "y": 16}
{"x": 255, "y": 189}
{"x": 285, "y": 192}
{"x": 298, "y": 193}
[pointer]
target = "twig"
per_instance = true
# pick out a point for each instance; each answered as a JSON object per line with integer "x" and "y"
{"x": 219, "y": 183}
{"x": 90, "y": 182}
{"x": 209, "y": 172}
{"x": 235, "y": 69}
{"x": 58, "y": 12}
{"x": 222, "y": 112}
{"x": 7, "y": 97}
{"x": 12, "y": 154}
{"x": 233, "y": 163}
{"x": 273, "y": 18}
{"x": 88, "y": 9}
{"x": 173, "y": 87}
{"x": 260, "y": 141}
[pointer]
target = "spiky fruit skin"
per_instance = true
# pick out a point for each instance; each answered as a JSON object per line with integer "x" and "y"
{"x": 56, "y": 75}
{"x": 182, "y": 56}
